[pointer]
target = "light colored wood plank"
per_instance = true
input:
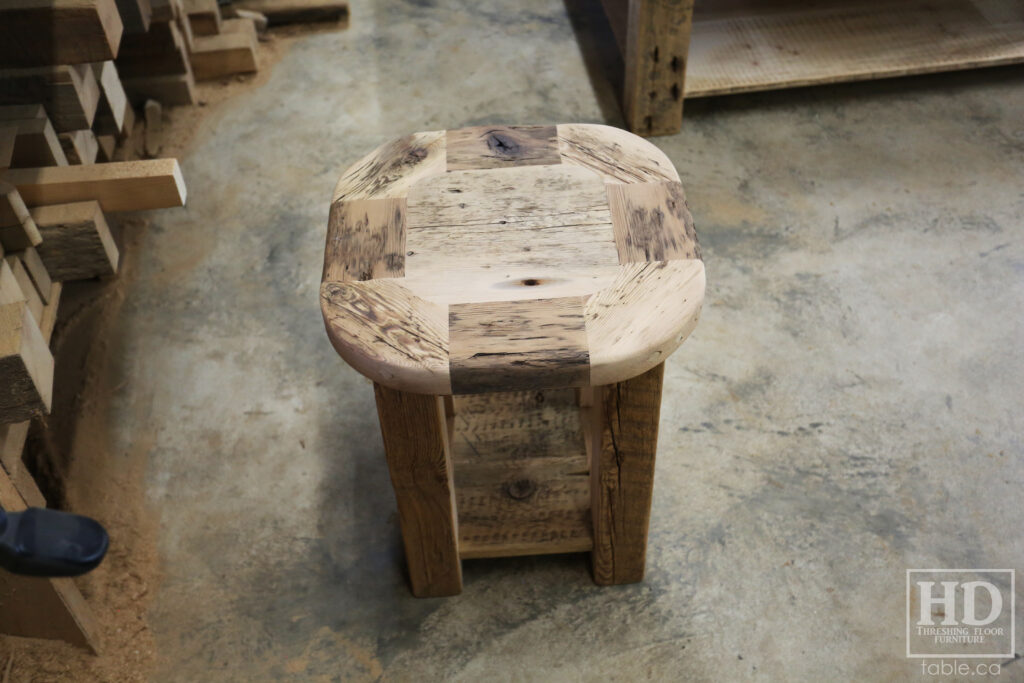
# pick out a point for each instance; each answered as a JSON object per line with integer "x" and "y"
{"x": 657, "y": 41}
{"x": 391, "y": 169}
{"x": 616, "y": 155}
{"x": 389, "y": 335}
{"x": 532, "y": 217}
{"x": 37, "y": 271}
{"x": 49, "y": 320}
{"x": 749, "y": 45}
{"x": 17, "y": 229}
{"x": 640, "y": 320}
{"x": 42, "y": 608}
{"x": 416, "y": 445}
{"x": 106, "y": 145}
{"x": 36, "y": 144}
{"x": 281, "y": 12}
{"x": 625, "y": 420}
{"x": 113, "y": 112}
{"x": 501, "y": 146}
{"x": 27, "y": 288}
{"x": 69, "y": 93}
{"x": 521, "y": 474}
{"x": 77, "y": 243}
{"x": 652, "y": 222}
{"x": 518, "y": 345}
{"x": 12, "y": 443}
{"x": 117, "y": 186}
{"x": 234, "y": 51}
{"x": 26, "y": 365}
{"x": 365, "y": 240}
{"x": 80, "y": 146}
{"x": 48, "y": 32}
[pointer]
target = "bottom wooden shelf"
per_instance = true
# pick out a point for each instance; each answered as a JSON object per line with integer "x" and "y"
{"x": 748, "y": 45}
{"x": 521, "y": 475}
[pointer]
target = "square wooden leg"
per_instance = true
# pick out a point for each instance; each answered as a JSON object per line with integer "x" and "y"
{"x": 622, "y": 448}
{"x": 419, "y": 459}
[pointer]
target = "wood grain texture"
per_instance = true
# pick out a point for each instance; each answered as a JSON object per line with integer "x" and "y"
{"x": 640, "y": 320}
{"x": 416, "y": 445}
{"x": 501, "y": 146}
{"x": 117, "y": 186}
{"x": 43, "y": 608}
{"x": 657, "y": 43}
{"x": 521, "y": 474}
{"x": 365, "y": 240}
{"x": 513, "y": 345}
{"x": 114, "y": 112}
{"x": 536, "y": 217}
{"x": 389, "y": 335}
{"x": 625, "y": 440}
{"x": 26, "y": 365}
{"x": 77, "y": 243}
{"x": 391, "y": 169}
{"x": 29, "y": 293}
{"x": 47, "y": 32}
{"x": 749, "y": 45}
{"x": 616, "y": 155}
{"x": 652, "y": 222}
{"x": 69, "y": 93}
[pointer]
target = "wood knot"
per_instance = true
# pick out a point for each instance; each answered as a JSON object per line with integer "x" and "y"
{"x": 520, "y": 489}
{"x": 502, "y": 145}
{"x": 530, "y": 282}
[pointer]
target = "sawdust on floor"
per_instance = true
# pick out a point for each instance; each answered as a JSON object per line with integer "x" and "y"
{"x": 110, "y": 486}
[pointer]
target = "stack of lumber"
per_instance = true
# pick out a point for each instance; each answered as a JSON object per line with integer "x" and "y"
{"x": 63, "y": 109}
{"x": 187, "y": 40}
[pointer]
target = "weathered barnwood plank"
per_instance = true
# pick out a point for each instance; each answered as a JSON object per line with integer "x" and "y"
{"x": 625, "y": 439}
{"x": 501, "y": 146}
{"x": 365, "y": 240}
{"x": 652, "y": 222}
{"x": 419, "y": 459}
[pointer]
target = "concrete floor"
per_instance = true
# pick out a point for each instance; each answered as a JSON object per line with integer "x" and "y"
{"x": 849, "y": 406}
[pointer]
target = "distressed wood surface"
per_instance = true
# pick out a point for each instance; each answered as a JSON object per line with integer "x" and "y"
{"x": 652, "y": 223}
{"x": 365, "y": 240}
{"x": 508, "y": 345}
{"x": 501, "y": 146}
{"x": 623, "y": 446}
{"x": 418, "y": 455}
{"x": 453, "y": 259}
{"x": 77, "y": 243}
{"x": 521, "y": 474}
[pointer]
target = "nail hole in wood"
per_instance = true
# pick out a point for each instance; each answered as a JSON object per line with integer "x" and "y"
{"x": 520, "y": 489}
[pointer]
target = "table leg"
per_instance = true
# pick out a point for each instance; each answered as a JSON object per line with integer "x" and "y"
{"x": 419, "y": 459}
{"x": 623, "y": 446}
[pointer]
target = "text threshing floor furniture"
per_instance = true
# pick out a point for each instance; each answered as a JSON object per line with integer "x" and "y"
{"x": 513, "y": 292}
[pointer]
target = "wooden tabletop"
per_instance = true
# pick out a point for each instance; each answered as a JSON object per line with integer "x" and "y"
{"x": 501, "y": 258}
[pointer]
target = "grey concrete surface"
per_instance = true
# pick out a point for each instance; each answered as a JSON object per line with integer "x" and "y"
{"x": 849, "y": 406}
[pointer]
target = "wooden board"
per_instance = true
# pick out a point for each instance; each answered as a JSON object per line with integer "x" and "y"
{"x": 748, "y": 45}
{"x": 161, "y": 51}
{"x": 204, "y": 16}
{"x": 36, "y": 144}
{"x": 521, "y": 474}
{"x": 114, "y": 112}
{"x": 80, "y": 146}
{"x": 233, "y": 51}
{"x": 69, "y": 93}
{"x": 26, "y": 365}
{"x": 135, "y": 15}
{"x": 117, "y": 186}
{"x": 172, "y": 90}
{"x": 17, "y": 229}
{"x": 50, "y": 32}
{"x": 77, "y": 243}
{"x": 28, "y": 292}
